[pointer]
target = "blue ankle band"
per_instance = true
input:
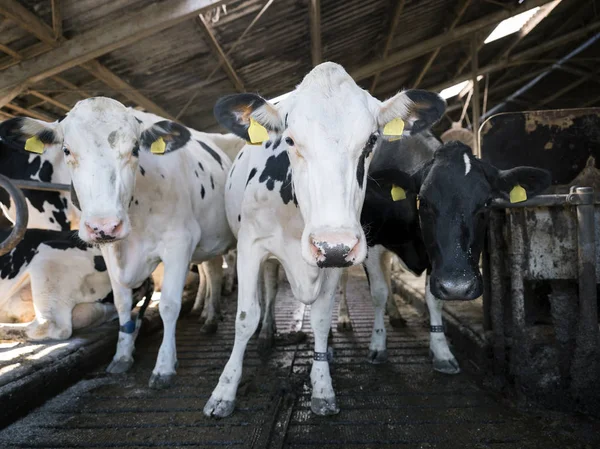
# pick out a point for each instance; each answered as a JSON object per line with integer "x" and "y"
{"x": 128, "y": 327}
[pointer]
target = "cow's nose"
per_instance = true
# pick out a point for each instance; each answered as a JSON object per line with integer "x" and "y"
{"x": 104, "y": 228}
{"x": 334, "y": 249}
{"x": 457, "y": 288}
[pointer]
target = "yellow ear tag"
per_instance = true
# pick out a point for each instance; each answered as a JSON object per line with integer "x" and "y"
{"x": 394, "y": 128}
{"x": 398, "y": 193}
{"x": 518, "y": 194}
{"x": 257, "y": 132}
{"x": 158, "y": 146}
{"x": 34, "y": 145}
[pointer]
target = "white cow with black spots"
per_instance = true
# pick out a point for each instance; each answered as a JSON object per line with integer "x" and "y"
{"x": 298, "y": 197}
{"x": 148, "y": 192}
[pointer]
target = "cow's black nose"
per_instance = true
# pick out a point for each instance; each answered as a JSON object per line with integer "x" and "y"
{"x": 454, "y": 288}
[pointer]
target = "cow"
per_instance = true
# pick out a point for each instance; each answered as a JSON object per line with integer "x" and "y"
{"x": 55, "y": 284}
{"x": 149, "y": 190}
{"x": 296, "y": 195}
{"x": 454, "y": 189}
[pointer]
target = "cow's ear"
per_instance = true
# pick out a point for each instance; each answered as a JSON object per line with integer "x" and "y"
{"x": 164, "y": 137}
{"x": 249, "y": 116}
{"x": 392, "y": 183}
{"x": 410, "y": 112}
{"x": 31, "y": 135}
{"x": 520, "y": 183}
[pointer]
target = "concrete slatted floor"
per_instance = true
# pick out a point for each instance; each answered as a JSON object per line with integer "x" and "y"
{"x": 400, "y": 404}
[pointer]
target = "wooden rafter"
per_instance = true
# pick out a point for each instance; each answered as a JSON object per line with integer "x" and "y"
{"x": 29, "y": 112}
{"x": 16, "y": 12}
{"x": 422, "y": 48}
{"x": 105, "y": 38}
{"x": 568, "y": 88}
{"x": 10, "y": 52}
{"x": 459, "y": 15}
{"x": 57, "y": 19}
{"x": 47, "y": 99}
{"x": 398, "y": 9}
{"x": 314, "y": 17}
{"x": 219, "y": 53}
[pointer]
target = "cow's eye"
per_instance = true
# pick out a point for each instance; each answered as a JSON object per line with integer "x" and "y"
{"x": 66, "y": 151}
{"x": 289, "y": 141}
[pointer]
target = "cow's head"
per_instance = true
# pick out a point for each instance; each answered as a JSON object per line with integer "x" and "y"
{"x": 101, "y": 140}
{"x": 329, "y": 127}
{"x": 454, "y": 190}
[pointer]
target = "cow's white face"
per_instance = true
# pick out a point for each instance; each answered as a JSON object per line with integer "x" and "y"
{"x": 330, "y": 127}
{"x": 101, "y": 140}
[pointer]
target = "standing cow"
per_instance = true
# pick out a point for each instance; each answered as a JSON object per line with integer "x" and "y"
{"x": 148, "y": 191}
{"x": 298, "y": 197}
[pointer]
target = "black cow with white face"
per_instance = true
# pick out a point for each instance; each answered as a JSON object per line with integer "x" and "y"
{"x": 454, "y": 189}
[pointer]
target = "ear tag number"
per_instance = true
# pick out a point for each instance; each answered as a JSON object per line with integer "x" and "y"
{"x": 34, "y": 145}
{"x": 394, "y": 128}
{"x": 518, "y": 194}
{"x": 257, "y": 133}
{"x": 398, "y": 193}
{"x": 158, "y": 146}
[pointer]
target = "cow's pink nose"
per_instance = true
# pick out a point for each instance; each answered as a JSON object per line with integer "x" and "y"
{"x": 104, "y": 228}
{"x": 334, "y": 249}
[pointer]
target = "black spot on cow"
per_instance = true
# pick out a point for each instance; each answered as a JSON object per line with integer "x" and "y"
{"x": 276, "y": 143}
{"x": 251, "y": 175}
{"x": 277, "y": 168}
{"x": 239, "y": 218}
{"x": 202, "y": 192}
{"x": 212, "y": 152}
{"x": 130, "y": 201}
{"x": 142, "y": 171}
{"x": 112, "y": 138}
{"x": 196, "y": 172}
{"x": 46, "y": 171}
{"x": 99, "y": 264}
{"x": 162, "y": 176}
{"x": 232, "y": 169}
{"x": 136, "y": 150}
{"x": 360, "y": 170}
{"x": 136, "y": 202}
{"x": 268, "y": 144}
{"x": 240, "y": 155}
{"x": 200, "y": 165}
{"x": 212, "y": 183}
{"x": 138, "y": 120}
{"x": 52, "y": 220}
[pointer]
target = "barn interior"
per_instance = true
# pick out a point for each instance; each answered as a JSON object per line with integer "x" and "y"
{"x": 176, "y": 58}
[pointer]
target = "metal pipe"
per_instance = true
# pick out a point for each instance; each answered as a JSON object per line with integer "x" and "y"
{"x": 38, "y": 185}
{"x": 584, "y": 368}
{"x": 475, "y": 97}
{"x": 542, "y": 75}
{"x": 22, "y": 218}
{"x": 542, "y": 200}
{"x": 496, "y": 246}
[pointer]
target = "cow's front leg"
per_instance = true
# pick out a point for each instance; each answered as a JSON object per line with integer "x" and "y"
{"x": 222, "y": 400}
{"x": 343, "y": 322}
{"x": 374, "y": 267}
{"x": 323, "y": 396}
{"x": 395, "y": 318}
{"x": 128, "y": 329}
{"x": 176, "y": 269}
{"x": 443, "y": 359}
{"x": 270, "y": 273}
{"x": 213, "y": 271}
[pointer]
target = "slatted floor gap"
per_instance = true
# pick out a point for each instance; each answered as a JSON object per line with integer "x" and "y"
{"x": 400, "y": 404}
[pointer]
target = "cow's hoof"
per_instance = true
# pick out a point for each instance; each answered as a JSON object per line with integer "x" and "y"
{"x": 218, "y": 408}
{"x": 161, "y": 381}
{"x": 264, "y": 346}
{"x": 344, "y": 326}
{"x": 324, "y": 406}
{"x": 209, "y": 328}
{"x": 446, "y": 366}
{"x": 119, "y": 366}
{"x": 397, "y": 322}
{"x": 378, "y": 357}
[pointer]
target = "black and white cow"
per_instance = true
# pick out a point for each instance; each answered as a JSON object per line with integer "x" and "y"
{"x": 454, "y": 189}
{"x": 298, "y": 196}
{"x": 149, "y": 190}
{"x": 55, "y": 284}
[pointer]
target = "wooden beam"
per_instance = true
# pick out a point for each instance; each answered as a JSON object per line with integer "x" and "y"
{"x": 429, "y": 45}
{"x": 543, "y": 12}
{"x": 50, "y": 100}
{"x": 69, "y": 85}
{"x": 398, "y": 9}
{"x": 29, "y": 112}
{"x": 13, "y": 10}
{"x": 105, "y": 38}
{"x": 592, "y": 102}
{"x": 8, "y": 95}
{"x": 314, "y": 18}
{"x": 112, "y": 80}
{"x": 6, "y": 115}
{"x": 569, "y": 87}
{"x": 29, "y": 52}
{"x": 459, "y": 15}
{"x": 10, "y": 52}
{"x": 219, "y": 53}
{"x": 57, "y": 19}
{"x": 518, "y": 58}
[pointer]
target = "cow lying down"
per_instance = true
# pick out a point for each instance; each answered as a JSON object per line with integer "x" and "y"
{"x": 55, "y": 284}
